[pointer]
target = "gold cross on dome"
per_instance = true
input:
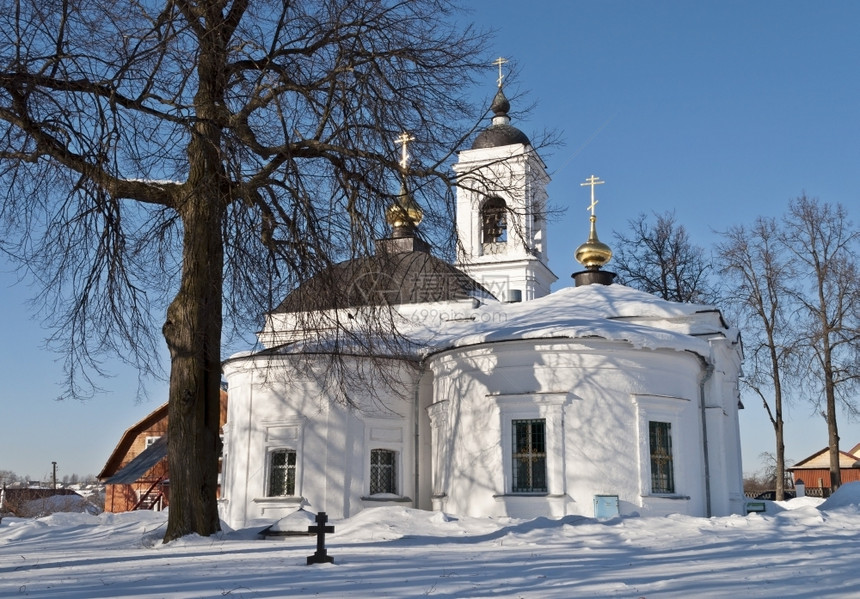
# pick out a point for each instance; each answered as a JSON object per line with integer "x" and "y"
{"x": 404, "y": 140}
{"x": 592, "y": 181}
{"x": 500, "y": 61}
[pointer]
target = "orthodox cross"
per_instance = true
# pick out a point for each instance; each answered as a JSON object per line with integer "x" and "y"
{"x": 592, "y": 181}
{"x": 500, "y": 61}
{"x": 320, "y": 556}
{"x": 404, "y": 140}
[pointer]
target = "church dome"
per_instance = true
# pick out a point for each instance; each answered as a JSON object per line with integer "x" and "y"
{"x": 386, "y": 279}
{"x": 501, "y": 132}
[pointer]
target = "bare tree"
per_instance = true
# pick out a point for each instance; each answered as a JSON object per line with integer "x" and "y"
{"x": 658, "y": 257}
{"x": 823, "y": 243}
{"x": 758, "y": 275}
{"x": 216, "y": 152}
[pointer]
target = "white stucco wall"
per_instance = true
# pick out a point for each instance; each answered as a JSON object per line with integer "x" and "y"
{"x": 596, "y": 381}
{"x": 597, "y": 397}
{"x": 332, "y": 440}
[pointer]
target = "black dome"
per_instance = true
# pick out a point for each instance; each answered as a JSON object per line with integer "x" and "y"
{"x": 500, "y": 135}
{"x": 385, "y": 279}
{"x": 501, "y": 132}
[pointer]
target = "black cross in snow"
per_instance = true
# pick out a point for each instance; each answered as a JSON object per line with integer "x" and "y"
{"x": 320, "y": 556}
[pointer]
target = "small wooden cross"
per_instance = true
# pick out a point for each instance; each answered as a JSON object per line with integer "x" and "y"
{"x": 404, "y": 140}
{"x": 592, "y": 181}
{"x": 320, "y": 556}
{"x": 500, "y": 61}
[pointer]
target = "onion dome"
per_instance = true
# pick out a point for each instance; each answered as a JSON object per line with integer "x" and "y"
{"x": 404, "y": 214}
{"x": 593, "y": 254}
{"x": 501, "y": 132}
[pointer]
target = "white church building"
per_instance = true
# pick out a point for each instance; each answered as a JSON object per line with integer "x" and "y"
{"x": 510, "y": 400}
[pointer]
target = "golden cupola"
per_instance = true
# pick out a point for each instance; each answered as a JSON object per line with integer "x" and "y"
{"x": 404, "y": 214}
{"x": 593, "y": 254}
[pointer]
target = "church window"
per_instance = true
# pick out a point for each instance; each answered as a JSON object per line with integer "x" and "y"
{"x": 662, "y": 471}
{"x": 383, "y": 471}
{"x": 529, "y": 456}
{"x": 494, "y": 221}
{"x": 282, "y": 473}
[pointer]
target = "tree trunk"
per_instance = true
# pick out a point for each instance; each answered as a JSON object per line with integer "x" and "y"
{"x": 780, "y": 461}
{"x": 833, "y": 438}
{"x": 778, "y": 422}
{"x": 193, "y": 335}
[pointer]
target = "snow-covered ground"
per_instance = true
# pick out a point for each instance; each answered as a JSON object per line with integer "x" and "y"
{"x": 801, "y": 548}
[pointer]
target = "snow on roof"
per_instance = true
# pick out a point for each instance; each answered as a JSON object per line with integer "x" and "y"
{"x": 611, "y": 312}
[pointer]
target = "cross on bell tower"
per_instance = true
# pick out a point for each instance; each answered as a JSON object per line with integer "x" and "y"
{"x": 501, "y": 208}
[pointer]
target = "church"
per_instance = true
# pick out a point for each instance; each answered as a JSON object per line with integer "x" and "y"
{"x": 503, "y": 399}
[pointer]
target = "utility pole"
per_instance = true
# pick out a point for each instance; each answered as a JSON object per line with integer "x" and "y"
{"x": 55, "y": 474}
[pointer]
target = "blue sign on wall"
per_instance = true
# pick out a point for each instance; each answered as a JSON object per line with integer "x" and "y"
{"x": 605, "y": 506}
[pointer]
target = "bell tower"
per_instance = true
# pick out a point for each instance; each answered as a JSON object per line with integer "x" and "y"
{"x": 501, "y": 209}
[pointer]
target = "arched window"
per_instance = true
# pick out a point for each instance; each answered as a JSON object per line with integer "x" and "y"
{"x": 494, "y": 221}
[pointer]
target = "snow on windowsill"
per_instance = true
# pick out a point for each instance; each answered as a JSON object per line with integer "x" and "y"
{"x": 282, "y": 500}
{"x": 387, "y": 497}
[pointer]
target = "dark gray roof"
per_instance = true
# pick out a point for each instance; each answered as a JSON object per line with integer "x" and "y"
{"x": 388, "y": 278}
{"x": 141, "y": 464}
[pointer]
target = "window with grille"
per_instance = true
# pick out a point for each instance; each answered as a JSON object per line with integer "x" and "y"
{"x": 282, "y": 473}
{"x": 662, "y": 474}
{"x": 383, "y": 471}
{"x": 529, "y": 456}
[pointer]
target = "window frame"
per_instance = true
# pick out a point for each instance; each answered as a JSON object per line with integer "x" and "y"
{"x": 658, "y": 486}
{"x": 549, "y": 407}
{"x": 388, "y": 434}
{"x": 270, "y": 471}
{"x": 280, "y": 434}
{"x": 535, "y": 454}
{"x": 666, "y": 409}
{"x": 393, "y": 477}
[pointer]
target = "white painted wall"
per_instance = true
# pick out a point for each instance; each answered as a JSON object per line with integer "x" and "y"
{"x": 450, "y": 419}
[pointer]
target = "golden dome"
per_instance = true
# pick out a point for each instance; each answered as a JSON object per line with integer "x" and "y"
{"x": 593, "y": 254}
{"x": 404, "y": 214}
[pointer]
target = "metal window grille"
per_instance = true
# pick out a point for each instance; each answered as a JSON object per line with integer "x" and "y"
{"x": 662, "y": 469}
{"x": 529, "y": 456}
{"x": 383, "y": 471}
{"x": 282, "y": 473}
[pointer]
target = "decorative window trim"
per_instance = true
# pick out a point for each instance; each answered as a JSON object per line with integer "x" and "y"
{"x": 387, "y": 435}
{"x": 534, "y": 406}
{"x": 286, "y": 434}
{"x": 659, "y": 408}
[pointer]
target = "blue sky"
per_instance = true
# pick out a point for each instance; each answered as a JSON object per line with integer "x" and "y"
{"x": 718, "y": 110}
